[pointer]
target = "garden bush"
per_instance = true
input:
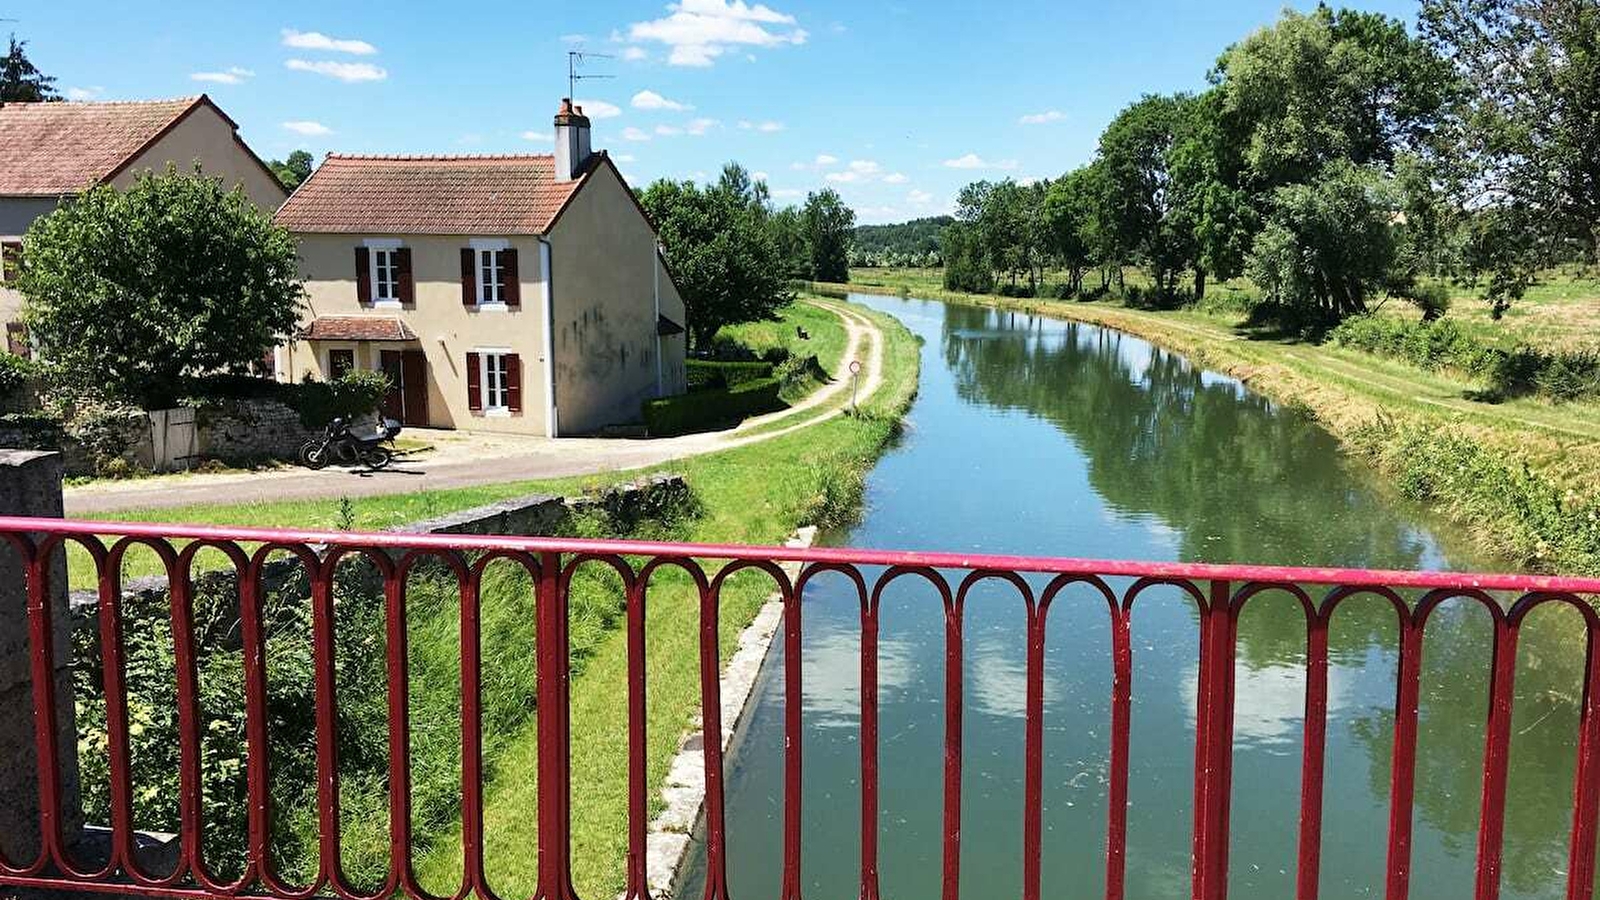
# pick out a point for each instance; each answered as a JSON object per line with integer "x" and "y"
{"x": 708, "y": 374}
{"x": 708, "y": 408}
{"x": 356, "y": 393}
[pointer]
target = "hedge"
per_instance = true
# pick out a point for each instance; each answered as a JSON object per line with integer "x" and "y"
{"x": 1558, "y": 375}
{"x": 357, "y": 393}
{"x": 710, "y": 374}
{"x": 715, "y": 406}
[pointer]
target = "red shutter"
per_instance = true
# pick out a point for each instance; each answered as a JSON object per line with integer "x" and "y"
{"x": 508, "y": 271}
{"x": 474, "y": 383}
{"x": 513, "y": 382}
{"x": 363, "y": 275}
{"x": 469, "y": 281}
{"x": 408, "y": 289}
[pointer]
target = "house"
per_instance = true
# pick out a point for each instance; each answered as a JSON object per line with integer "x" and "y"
{"x": 519, "y": 293}
{"x": 52, "y": 151}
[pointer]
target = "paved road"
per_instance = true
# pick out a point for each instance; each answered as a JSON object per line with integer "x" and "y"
{"x": 507, "y": 460}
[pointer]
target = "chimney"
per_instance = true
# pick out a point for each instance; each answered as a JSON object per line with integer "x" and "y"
{"x": 572, "y": 140}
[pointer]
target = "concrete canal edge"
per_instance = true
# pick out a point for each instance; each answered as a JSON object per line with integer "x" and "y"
{"x": 684, "y": 791}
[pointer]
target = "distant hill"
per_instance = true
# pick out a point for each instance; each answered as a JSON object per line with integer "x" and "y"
{"x": 903, "y": 243}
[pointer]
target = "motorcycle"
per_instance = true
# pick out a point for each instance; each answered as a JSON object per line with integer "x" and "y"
{"x": 339, "y": 444}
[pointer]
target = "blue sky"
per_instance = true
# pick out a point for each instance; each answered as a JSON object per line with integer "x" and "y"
{"x": 894, "y": 105}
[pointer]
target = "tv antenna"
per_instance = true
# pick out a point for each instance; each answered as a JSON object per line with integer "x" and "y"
{"x": 575, "y": 61}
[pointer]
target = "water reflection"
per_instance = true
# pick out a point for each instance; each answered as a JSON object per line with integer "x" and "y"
{"x": 1038, "y": 436}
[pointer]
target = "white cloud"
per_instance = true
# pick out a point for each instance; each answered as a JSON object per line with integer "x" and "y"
{"x": 700, "y": 126}
{"x": 895, "y": 178}
{"x": 308, "y": 128}
{"x": 633, "y": 134}
{"x": 651, "y": 100}
{"x": 787, "y": 193}
{"x": 843, "y": 177}
{"x": 346, "y": 72}
{"x": 599, "y": 109}
{"x": 316, "y": 40}
{"x": 824, "y": 159}
{"x": 540, "y": 137}
{"x": 1040, "y": 118}
{"x": 85, "y": 93}
{"x": 634, "y": 54}
{"x": 866, "y": 167}
{"x": 767, "y": 127}
{"x": 624, "y": 157}
{"x": 231, "y": 75}
{"x": 668, "y": 130}
{"x": 919, "y": 197}
{"x": 699, "y": 31}
{"x": 974, "y": 161}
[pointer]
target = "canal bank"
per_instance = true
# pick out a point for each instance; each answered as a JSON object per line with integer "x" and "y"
{"x": 1525, "y": 489}
{"x": 1038, "y": 436}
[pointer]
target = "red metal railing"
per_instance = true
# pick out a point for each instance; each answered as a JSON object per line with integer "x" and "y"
{"x": 1219, "y": 593}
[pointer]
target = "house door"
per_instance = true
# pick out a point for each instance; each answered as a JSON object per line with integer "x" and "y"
{"x": 407, "y": 400}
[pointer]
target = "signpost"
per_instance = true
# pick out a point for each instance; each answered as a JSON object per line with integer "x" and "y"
{"x": 855, "y": 377}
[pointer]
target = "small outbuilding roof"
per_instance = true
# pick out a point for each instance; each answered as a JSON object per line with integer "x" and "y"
{"x": 358, "y": 328}
{"x": 511, "y": 194}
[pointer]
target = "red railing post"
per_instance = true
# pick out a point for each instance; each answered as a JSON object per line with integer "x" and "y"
{"x": 954, "y": 705}
{"x": 1214, "y": 745}
{"x": 1496, "y": 761}
{"x": 1308, "y": 874}
{"x": 41, "y": 645}
{"x": 1402, "y": 772}
{"x": 554, "y": 720}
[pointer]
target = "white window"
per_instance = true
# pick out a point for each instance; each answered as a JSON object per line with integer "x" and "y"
{"x": 496, "y": 381}
{"x": 491, "y": 277}
{"x": 386, "y": 275}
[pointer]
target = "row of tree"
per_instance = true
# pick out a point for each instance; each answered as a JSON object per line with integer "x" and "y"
{"x": 1334, "y": 158}
{"x": 912, "y": 243}
{"x": 733, "y": 254}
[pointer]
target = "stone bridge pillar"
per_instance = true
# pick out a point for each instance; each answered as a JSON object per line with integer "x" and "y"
{"x": 30, "y": 485}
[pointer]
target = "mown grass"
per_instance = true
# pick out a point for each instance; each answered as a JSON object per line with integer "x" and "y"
{"x": 827, "y": 334}
{"x": 1519, "y": 475}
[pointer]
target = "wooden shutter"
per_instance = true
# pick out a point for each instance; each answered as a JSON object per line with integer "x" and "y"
{"x": 513, "y": 382}
{"x": 469, "y": 280}
{"x": 17, "y": 340}
{"x": 508, "y": 272}
{"x": 10, "y": 260}
{"x": 363, "y": 275}
{"x": 474, "y": 382}
{"x": 407, "y": 287}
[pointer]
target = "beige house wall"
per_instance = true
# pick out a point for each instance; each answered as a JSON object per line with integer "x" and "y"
{"x": 206, "y": 137}
{"x": 606, "y": 274}
{"x": 446, "y": 329}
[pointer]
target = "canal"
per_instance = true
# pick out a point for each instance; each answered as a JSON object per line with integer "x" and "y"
{"x": 1037, "y": 436}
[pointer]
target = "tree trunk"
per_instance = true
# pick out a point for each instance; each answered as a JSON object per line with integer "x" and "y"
{"x": 1199, "y": 283}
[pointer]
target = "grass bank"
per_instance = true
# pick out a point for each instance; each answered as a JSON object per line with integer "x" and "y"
{"x": 1519, "y": 475}
{"x": 757, "y": 493}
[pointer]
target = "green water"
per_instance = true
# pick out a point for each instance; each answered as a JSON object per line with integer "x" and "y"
{"x": 1037, "y": 436}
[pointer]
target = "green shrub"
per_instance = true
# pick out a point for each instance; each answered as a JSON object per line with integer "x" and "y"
{"x": 709, "y": 408}
{"x": 709, "y": 374}
{"x": 1445, "y": 345}
{"x": 357, "y": 393}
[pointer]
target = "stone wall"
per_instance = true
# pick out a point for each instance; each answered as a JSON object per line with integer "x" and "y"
{"x": 235, "y": 430}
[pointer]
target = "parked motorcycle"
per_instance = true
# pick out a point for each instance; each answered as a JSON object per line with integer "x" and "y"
{"x": 340, "y": 444}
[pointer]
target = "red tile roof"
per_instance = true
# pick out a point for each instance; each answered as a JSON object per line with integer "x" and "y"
{"x": 358, "y": 328}
{"x": 429, "y": 195}
{"x": 51, "y": 149}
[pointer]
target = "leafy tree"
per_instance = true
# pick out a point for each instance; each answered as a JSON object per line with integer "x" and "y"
{"x": 966, "y": 263}
{"x": 1530, "y": 133}
{"x": 907, "y": 240}
{"x": 1070, "y": 212}
{"x": 131, "y": 292}
{"x": 1328, "y": 245}
{"x": 1136, "y": 151}
{"x": 789, "y": 234}
{"x": 20, "y": 82}
{"x": 828, "y": 227}
{"x": 1210, "y": 200}
{"x": 722, "y": 250}
{"x": 293, "y": 170}
{"x": 1324, "y": 86}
